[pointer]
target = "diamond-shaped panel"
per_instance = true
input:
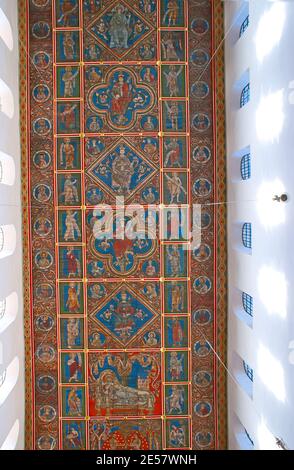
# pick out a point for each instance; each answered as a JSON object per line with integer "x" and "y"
{"x": 124, "y": 315}
{"x": 119, "y": 28}
{"x": 122, "y": 170}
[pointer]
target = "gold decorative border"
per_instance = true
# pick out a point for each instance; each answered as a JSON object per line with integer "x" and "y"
{"x": 24, "y": 130}
{"x": 221, "y": 211}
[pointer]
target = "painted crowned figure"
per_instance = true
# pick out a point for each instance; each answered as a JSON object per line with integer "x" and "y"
{"x": 121, "y": 98}
{"x": 119, "y": 28}
{"x": 122, "y": 172}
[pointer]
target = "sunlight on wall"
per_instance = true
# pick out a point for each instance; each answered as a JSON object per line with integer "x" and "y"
{"x": 271, "y": 213}
{"x": 11, "y": 440}
{"x": 7, "y": 169}
{"x": 270, "y": 117}
{"x": 6, "y": 100}
{"x": 8, "y": 311}
{"x": 5, "y": 30}
{"x": 11, "y": 378}
{"x": 271, "y": 373}
{"x": 273, "y": 291}
{"x": 270, "y": 30}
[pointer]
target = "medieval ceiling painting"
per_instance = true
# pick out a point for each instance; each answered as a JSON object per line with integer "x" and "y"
{"x": 121, "y": 331}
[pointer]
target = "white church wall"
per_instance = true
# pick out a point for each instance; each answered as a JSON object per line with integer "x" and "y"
{"x": 266, "y": 125}
{"x": 11, "y": 310}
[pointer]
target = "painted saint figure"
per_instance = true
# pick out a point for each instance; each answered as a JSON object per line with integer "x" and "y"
{"x": 73, "y": 264}
{"x": 172, "y": 12}
{"x": 68, "y": 116}
{"x": 69, "y": 45}
{"x": 67, "y": 154}
{"x": 69, "y": 79}
{"x": 73, "y": 332}
{"x": 175, "y": 188}
{"x": 70, "y": 193}
{"x": 73, "y": 302}
{"x": 173, "y": 153}
{"x": 68, "y": 9}
{"x": 121, "y": 98}
{"x": 172, "y": 80}
{"x": 119, "y": 28}
{"x": 74, "y": 403}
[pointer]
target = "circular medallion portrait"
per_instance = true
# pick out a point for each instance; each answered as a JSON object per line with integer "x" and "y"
{"x": 44, "y": 322}
{"x": 43, "y": 227}
{"x": 199, "y": 26}
{"x": 202, "y": 285}
{"x": 41, "y": 93}
{"x": 199, "y": 90}
{"x": 46, "y": 442}
{"x": 40, "y": 3}
{"x": 201, "y": 154}
{"x": 201, "y": 122}
{"x": 46, "y": 384}
{"x": 42, "y": 159}
{"x": 43, "y": 259}
{"x": 199, "y": 58}
{"x": 202, "y": 348}
{"x": 44, "y": 291}
{"x": 42, "y": 126}
{"x": 202, "y": 253}
{"x": 203, "y": 439}
{"x": 202, "y": 316}
{"x": 42, "y": 193}
{"x": 202, "y": 409}
{"x": 202, "y": 378}
{"x": 41, "y": 60}
{"x": 41, "y": 30}
{"x": 202, "y": 187}
{"x": 45, "y": 353}
{"x": 47, "y": 413}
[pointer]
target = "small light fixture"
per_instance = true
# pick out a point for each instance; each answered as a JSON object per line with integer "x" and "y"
{"x": 281, "y": 198}
{"x": 281, "y": 444}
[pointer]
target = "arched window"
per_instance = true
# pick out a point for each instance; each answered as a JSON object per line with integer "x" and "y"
{"x": 248, "y": 371}
{"x": 7, "y": 169}
{"x": 247, "y": 235}
{"x": 244, "y": 26}
{"x": 10, "y": 442}
{"x": 249, "y": 437}
{"x": 245, "y": 95}
{"x": 7, "y": 240}
{"x": 6, "y": 99}
{"x": 247, "y": 302}
{"x": 245, "y": 167}
{"x": 5, "y": 30}
{"x": 10, "y": 380}
{"x": 8, "y": 311}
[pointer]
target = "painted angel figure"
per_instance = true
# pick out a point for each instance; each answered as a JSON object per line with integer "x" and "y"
{"x": 72, "y": 231}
